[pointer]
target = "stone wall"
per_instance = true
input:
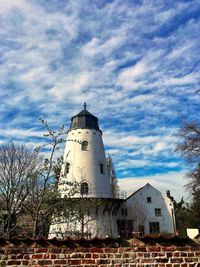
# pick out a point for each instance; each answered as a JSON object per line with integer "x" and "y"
{"x": 131, "y": 256}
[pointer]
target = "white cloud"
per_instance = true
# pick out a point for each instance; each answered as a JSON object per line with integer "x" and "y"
{"x": 187, "y": 79}
{"x": 132, "y": 163}
{"x": 21, "y": 132}
{"x": 127, "y": 139}
{"x": 127, "y": 77}
{"x": 13, "y": 4}
{"x": 164, "y": 16}
{"x": 70, "y": 86}
{"x": 181, "y": 50}
{"x": 97, "y": 46}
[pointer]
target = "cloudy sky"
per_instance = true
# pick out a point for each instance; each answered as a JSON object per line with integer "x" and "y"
{"x": 135, "y": 63}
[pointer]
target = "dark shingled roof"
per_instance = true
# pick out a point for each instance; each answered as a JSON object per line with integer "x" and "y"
{"x": 84, "y": 120}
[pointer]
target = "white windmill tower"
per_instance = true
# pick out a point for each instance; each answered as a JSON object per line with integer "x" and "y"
{"x": 85, "y": 164}
{"x": 84, "y": 156}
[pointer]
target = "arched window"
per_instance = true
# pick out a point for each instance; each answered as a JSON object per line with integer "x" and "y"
{"x": 84, "y": 146}
{"x": 101, "y": 168}
{"x": 67, "y": 167}
{"x": 84, "y": 188}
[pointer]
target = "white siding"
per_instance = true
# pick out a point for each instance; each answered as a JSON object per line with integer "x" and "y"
{"x": 142, "y": 212}
{"x": 85, "y": 165}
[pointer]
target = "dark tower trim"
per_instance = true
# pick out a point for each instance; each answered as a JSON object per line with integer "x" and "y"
{"x": 84, "y": 120}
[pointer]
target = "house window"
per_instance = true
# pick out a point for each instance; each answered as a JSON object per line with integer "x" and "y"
{"x": 84, "y": 188}
{"x": 148, "y": 199}
{"x": 122, "y": 212}
{"x": 101, "y": 168}
{"x": 67, "y": 167}
{"x": 154, "y": 228}
{"x": 84, "y": 146}
{"x": 158, "y": 212}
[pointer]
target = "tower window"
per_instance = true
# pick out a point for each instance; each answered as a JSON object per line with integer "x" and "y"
{"x": 84, "y": 188}
{"x": 67, "y": 167}
{"x": 101, "y": 168}
{"x": 84, "y": 146}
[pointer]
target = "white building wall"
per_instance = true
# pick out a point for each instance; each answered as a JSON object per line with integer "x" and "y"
{"x": 99, "y": 224}
{"x": 85, "y": 165}
{"x": 142, "y": 212}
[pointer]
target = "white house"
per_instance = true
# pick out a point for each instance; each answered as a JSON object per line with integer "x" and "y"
{"x": 96, "y": 211}
{"x": 146, "y": 211}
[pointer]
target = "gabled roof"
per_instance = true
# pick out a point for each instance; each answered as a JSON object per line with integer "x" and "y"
{"x": 134, "y": 193}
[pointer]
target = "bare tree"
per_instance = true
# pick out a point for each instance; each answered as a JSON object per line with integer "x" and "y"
{"x": 140, "y": 217}
{"x": 189, "y": 146}
{"x": 29, "y": 190}
{"x": 76, "y": 214}
{"x": 113, "y": 178}
{"x": 18, "y": 165}
{"x": 86, "y": 211}
{"x": 44, "y": 197}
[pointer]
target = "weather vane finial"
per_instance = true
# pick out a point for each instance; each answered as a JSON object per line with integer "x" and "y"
{"x": 85, "y": 105}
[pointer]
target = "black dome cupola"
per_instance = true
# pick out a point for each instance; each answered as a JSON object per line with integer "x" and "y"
{"x": 84, "y": 120}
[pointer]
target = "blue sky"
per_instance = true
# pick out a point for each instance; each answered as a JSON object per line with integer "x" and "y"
{"x": 135, "y": 63}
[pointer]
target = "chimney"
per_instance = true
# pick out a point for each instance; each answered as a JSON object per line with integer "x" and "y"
{"x": 168, "y": 193}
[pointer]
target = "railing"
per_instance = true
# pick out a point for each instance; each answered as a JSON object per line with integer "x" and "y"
{"x": 120, "y": 194}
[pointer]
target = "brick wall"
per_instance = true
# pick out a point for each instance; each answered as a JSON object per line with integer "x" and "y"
{"x": 161, "y": 256}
